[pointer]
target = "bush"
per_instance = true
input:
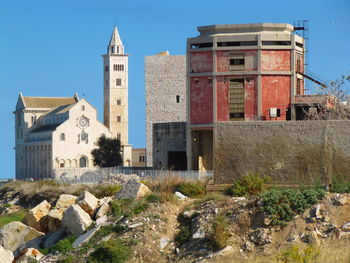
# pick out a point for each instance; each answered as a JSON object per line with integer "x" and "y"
{"x": 298, "y": 255}
{"x": 101, "y": 191}
{"x": 251, "y": 183}
{"x": 112, "y": 251}
{"x": 219, "y": 234}
{"x": 153, "y": 198}
{"x": 63, "y": 246}
{"x": 340, "y": 186}
{"x": 183, "y": 236}
{"x": 128, "y": 207}
{"x": 283, "y": 205}
{"x": 191, "y": 189}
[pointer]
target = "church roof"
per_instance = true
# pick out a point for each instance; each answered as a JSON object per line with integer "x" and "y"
{"x": 47, "y": 102}
{"x": 115, "y": 38}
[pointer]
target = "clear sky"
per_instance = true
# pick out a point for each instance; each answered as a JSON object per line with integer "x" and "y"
{"x": 54, "y": 48}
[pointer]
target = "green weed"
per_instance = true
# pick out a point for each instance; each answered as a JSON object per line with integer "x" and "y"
{"x": 112, "y": 251}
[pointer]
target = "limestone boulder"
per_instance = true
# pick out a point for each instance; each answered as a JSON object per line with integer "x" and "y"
{"x": 133, "y": 189}
{"x": 75, "y": 220}
{"x": 6, "y": 256}
{"x": 36, "y": 217}
{"x": 88, "y": 202}
{"x": 65, "y": 201}
{"x": 29, "y": 255}
{"x": 15, "y": 235}
{"x": 104, "y": 208}
{"x": 54, "y": 219}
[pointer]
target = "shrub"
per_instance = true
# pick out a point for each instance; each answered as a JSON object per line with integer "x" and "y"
{"x": 251, "y": 183}
{"x": 128, "y": 207}
{"x": 101, "y": 191}
{"x": 283, "y": 205}
{"x": 219, "y": 234}
{"x": 153, "y": 198}
{"x": 340, "y": 186}
{"x": 182, "y": 236}
{"x": 191, "y": 189}
{"x": 63, "y": 246}
{"x": 298, "y": 255}
{"x": 112, "y": 251}
{"x": 8, "y": 218}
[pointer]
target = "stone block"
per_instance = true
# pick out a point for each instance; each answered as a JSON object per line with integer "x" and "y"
{"x": 75, "y": 220}
{"x": 16, "y": 235}
{"x": 54, "y": 219}
{"x": 6, "y": 256}
{"x": 132, "y": 189}
{"x": 65, "y": 201}
{"x": 102, "y": 211}
{"x": 29, "y": 255}
{"x": 88, "y": 202}
{"x": 36, "y": 217}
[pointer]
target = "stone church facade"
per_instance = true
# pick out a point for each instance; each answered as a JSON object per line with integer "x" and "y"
{"x": 54, "y": 133}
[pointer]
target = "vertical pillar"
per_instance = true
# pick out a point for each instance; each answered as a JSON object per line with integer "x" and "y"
{"x": 293, "y": 78}
{"x": 259, "y": 85}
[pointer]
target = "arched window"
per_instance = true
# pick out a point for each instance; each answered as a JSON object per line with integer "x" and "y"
{"x": 82, "y": 161}
{"x": 63, "y": 137}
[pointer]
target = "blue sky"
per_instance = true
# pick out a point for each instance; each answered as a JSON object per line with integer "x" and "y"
{"x": 54, "y": 48}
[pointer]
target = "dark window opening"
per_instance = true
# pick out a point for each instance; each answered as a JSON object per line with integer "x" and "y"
{"x": 119, "y": 102}
{"x": 177, "y": 99}
{"x": 119, "y": 118}
{"x": 177, "y": 161}
{"x": 299, "y": 44}
{"x": 118, "y": 82}
{"x": 237, "y": 115}
{"x": 106, "y": 68}
{"x": 210, "y": 81}
{"x": 278, "y": 112}
{"x": 276, "y": 43}
{"x": 201, "y": 45}
{"x": 237, "y": 43}
{"x": 141, "y": 159}
{"x": 196, "y": 81}
{"x": 298, "y": 87}
{"x": 236, "y": 61}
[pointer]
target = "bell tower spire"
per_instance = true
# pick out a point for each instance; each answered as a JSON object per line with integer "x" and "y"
{"x": 115, "y": 90}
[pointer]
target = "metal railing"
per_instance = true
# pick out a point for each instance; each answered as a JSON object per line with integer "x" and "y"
{"x": 103, "y": 175}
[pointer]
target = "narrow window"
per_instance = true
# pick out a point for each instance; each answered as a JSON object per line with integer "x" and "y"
{"x": 119, "y": 102}
{"x": 141, "y": 159}
{"x": 33, "y": 119}
{"x": 237, "y": 62}
{"x": 106, "y": 68}
{"x": 63, "y": 137}
{"x": 82, "y": 107}
{"x": 236, "y": 99}
{"x": 119, "y": 136}
{"x": 119, "y": 118}
{"x": 82, "y": 162}
{"x": 177, "y": 99}
{"x": 118, "y": 82}
{"x": 118, "y": 50}
{"x": 298, "y": 87}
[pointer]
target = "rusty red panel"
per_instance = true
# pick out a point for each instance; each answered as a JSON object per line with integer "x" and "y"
{"x": 222, "y": 108}
{"x": 275, "y": 94}
{"x": 201, "y": 100}
{"x": 201, "y": 61}
{"x": 223, "y": 59}
{"x": 300, "y": 67}
{"x": 278, "y": 60}
{"x": 250, "y": 99}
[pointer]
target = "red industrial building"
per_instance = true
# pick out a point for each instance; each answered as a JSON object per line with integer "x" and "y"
{"x": 242, "y": 72}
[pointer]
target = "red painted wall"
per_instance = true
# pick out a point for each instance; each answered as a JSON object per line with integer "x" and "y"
{"x": 250, "y": 95}
{"x": 275, "y": 94}
{"x": 277, "y": 60}
{"x": 201, "y": 62}
{"x": 223, "y": 59}
{"x": 201, "y": 101}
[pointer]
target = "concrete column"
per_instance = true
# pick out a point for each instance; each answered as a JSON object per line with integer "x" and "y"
{"x": 259, "y": 96}
{"x": 188, "y": 113}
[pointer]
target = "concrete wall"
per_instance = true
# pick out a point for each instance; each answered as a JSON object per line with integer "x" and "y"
{"x": 165, "y": 78}
{"x": 291, "y": 152}
{"x": 167, "y": 137}
{"x": 138, "y": 157}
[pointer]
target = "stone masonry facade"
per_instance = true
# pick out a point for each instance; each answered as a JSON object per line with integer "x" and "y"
{"x": 165, "y": 82}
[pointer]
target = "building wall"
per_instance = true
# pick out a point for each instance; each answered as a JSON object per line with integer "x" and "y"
{"x": 201, "y": 101}
{"x": 165, "y": 79}
{"x": 291, "y": 152}
{"x": 167, "y": 137}
{"x": 138, "y": 157}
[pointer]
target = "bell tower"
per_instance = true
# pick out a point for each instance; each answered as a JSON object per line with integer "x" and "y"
{"x": 115, "y": 90}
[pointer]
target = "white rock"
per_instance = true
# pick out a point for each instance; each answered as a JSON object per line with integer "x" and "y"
{"x": 75, "y": 220}
{"x": 199, "y": 234}
{"x": 180, "y": 196}
{"x": 16, "y": 234}
{"x": 102, "y": 211}
{"x": 346, "y": 227}
{"x": 132, "y": 189}
{"x": 102, "y": 220}
{"x": 29, "y": 255}
{"x": 65, "y": 201}
{"x": 226, "y": 250}
{"x": 164, "y": 241}
{"x": 36, "y": 217}
{"x": 135, "y": 225}
{"x": 88, "y": 202}
{"x": 6, "y": 256}
{"x": 85, "y": 237}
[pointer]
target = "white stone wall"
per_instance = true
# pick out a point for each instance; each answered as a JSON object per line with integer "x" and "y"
{"x": 165, "y": 78}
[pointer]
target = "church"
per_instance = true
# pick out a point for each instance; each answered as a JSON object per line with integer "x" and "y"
{"x": 61, "y": 132}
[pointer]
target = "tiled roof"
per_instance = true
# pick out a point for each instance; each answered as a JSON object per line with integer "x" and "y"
{"x": 47, "y": 102}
